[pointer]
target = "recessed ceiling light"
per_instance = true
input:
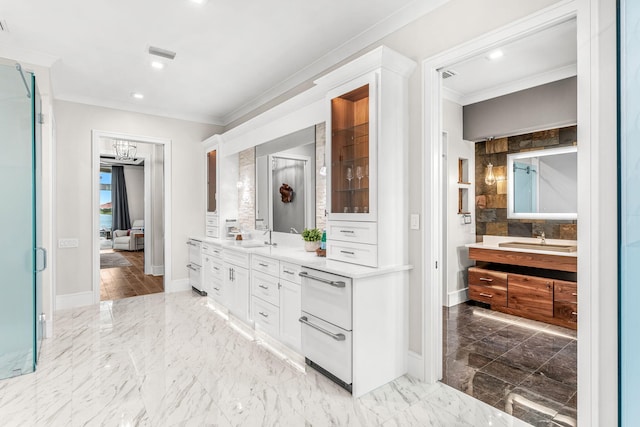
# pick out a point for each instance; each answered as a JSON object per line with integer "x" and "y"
{"x": 137, "y": 95}
{"x": 157, "y": 65}
{"x": 495, "y": 55}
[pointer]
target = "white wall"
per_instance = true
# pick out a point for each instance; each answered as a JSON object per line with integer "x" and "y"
{"x": 73, "y": 183}
{"x": 458, "y": 234}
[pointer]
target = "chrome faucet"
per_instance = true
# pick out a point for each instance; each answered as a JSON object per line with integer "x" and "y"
{"x": 293, "y": 230}
{"x": 269, "y": 242}
{"x": 543, "y": 240}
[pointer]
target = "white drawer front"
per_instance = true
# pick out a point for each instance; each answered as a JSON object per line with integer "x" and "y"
{"x": 195, "y": 248}
{"x": 328, "y": 346}
{"x": 214, "y": 268}
{"x": 195, "y": 278}
{"x": 265, "y": 265}
{"x": 265, "y": 287}
{"x": 356, "y": 253}
{"x": 290, "y": 272}
{"x": 213, "y": 250}
{"x": 212, "y": 232}
{"x": 217, "y": 291}
{"x": 241, "y": 259}
{"x": 353, "y": 231}
{"x": 327, "y": 296}
{"x": 266, "y": 316}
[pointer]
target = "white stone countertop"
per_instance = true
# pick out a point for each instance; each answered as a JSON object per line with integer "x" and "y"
{"x": 493, "y": 242}
{"x": 297, "y": 255}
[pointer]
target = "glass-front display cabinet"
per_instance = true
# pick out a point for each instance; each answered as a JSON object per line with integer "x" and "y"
{"x": 212, "y": 170}
{"x": 352, "y": 154}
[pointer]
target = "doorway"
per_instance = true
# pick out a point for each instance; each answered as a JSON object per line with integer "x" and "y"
{"x": 471, "y": 341}
{"x": 135, "y": 253}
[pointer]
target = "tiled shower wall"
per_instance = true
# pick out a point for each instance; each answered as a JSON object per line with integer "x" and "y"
{"x": 491, "y": 200}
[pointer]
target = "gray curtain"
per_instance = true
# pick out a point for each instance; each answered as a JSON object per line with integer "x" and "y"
{"x": 120, "y": 204}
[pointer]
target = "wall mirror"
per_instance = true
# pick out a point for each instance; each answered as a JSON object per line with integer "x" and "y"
{"x": 543, "y": 184}
{"x": 286, "y": 182}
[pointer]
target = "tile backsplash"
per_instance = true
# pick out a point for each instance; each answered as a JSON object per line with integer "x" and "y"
{"x": 491, "y": 200}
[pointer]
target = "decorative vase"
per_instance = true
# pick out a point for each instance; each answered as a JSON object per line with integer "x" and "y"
{"x": 311, "y": 246}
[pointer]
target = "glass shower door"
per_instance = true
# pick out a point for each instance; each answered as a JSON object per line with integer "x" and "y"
{"x": 17, "y": 290}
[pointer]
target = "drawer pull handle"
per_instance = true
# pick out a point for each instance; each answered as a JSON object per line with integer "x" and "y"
{"x": 574, "y": 313}
{"x": 287, "y": 271}
{"x": 334, "y": 283}
{"x": 190, "y": 267}
{"x": 486, "y": 279}
{"x": 263, "y": 286}
{"x": 337, "y": 337}
{"x": 261, "y": 264}
{"x": 216, "y": 268}
{"x": 347, "y": 231}
{"x": 347, "y": 252}
{"x": 263, "y": 314}
{"x": 482, "y": 294}
{"x": 574, "y": 294}
{"x": 217, "y": 289}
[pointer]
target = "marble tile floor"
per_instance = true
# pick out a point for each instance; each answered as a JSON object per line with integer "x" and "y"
{"x": 125, "y": 282}
{"x": 523, "y": 367}
{"x": 169, "y": 359}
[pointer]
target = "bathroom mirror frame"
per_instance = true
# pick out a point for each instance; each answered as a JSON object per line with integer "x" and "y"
{"x": 511, "y": 213}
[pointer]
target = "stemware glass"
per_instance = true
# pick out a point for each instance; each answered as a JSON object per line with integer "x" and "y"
{"x": 359, "y": 175}
{"x": 349, "y": 176}
{"x": 366, "y": 172}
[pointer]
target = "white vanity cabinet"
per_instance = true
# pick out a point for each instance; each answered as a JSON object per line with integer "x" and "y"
{"x": 236, "y": 282}
{"x": 367, "y": 157}
{"x": 275, "y": 299}
{"x": 213, "y": 271}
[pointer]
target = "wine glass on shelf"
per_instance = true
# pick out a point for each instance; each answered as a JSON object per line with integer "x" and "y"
{"x": 366, "y": 172}
{"x": 349, "y": 176}
{"x": 359, "y": 175}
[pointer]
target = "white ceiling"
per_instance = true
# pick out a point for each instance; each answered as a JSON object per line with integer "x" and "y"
{"x": 231, "y": 55}
{"x": 543, "y": 57}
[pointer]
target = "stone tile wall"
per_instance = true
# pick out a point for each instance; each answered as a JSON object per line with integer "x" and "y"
{"x": 491, "y": 200}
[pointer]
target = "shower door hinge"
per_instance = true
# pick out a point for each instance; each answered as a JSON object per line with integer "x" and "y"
{"x": 41, "y": 118}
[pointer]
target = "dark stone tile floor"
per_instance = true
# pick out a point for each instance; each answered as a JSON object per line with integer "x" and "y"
{"x": 523, "y": 367}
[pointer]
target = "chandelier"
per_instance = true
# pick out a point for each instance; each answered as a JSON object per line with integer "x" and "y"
{"x": 125, "y": 150}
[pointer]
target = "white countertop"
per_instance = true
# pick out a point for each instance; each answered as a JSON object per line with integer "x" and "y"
{"x": 297, "y": 255}
{"x": 493, "y": 242}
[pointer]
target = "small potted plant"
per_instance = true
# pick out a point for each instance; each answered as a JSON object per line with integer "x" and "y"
{"x": 311, "y": 237}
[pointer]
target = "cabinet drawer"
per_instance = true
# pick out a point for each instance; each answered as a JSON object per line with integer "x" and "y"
{"x": 483, "y": 277}
{"x": 239, "y": 257}
{"x": 566, "y": 311}
{"x": 356, "y": 253}
{"x": 352, "y": 231}
{"x": 532, "y": 295}
{"x": 565, "y": 291}
{"x": 265, "y": 265}
{"x": 217, "y": 291}
{"x": 212, "y": 232}
{"x": 290, "y": 272}
{"x": 266, "y": 316}
{"x": 213, "y": 250}
{"x": 213, "y": 268}
{"x": 492, "y": 295}
{"x": 265, "y": 287}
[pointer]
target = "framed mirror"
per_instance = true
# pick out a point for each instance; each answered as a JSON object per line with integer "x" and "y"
{"x": 543, "y": 184}
{"x": 285, "y": 182}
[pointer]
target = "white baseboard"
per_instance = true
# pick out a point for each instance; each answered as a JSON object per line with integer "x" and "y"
{"x": 79, "y": 299}
{"x": 178, "y": 286}
{"x": 157, "y": 270}
{"x": 415, "y": 365}
{"x": 457, "y": 297}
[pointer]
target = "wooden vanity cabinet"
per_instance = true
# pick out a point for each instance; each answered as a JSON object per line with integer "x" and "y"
{"x": 565, "y": 302}
{"x": 488, "y": 286}
{"x": 531, "y": 295}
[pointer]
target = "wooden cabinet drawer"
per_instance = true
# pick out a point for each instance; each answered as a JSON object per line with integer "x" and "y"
{"x": 493, "y": 295}
{"x": 265, "y": 265}
{"x": 565, "y": 291}
{"x": 290, "y": 272}
{"x": 566, "y": 311}
{"x": 531, "y": 295}
{"x": 266, "y": 316}
{"x": 353, "y": 231}
{"x": 265, "y": 287}
{"x": 482, "y": 277}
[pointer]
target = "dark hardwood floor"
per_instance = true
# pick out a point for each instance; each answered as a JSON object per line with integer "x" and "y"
{"x": 123, "y": 282}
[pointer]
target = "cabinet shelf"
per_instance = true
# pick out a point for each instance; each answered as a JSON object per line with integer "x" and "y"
{"x": 351, "y": 190}
{"x": 359, "y": 130}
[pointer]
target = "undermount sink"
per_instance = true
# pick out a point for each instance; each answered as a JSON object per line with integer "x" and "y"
{"x": 539, "y": 246}
{"x": 252, "y": 244}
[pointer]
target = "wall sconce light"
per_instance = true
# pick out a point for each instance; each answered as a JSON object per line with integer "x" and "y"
{"x": 489, "y": 178}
